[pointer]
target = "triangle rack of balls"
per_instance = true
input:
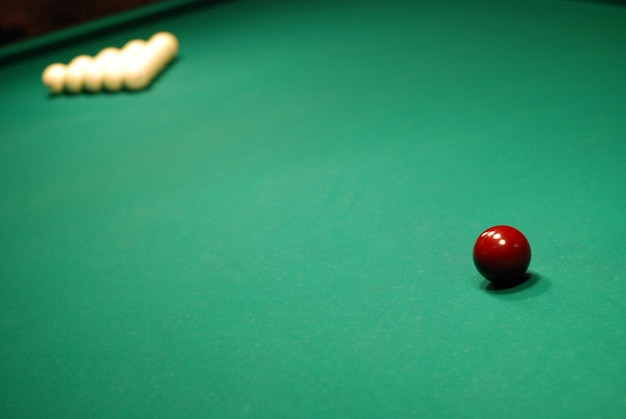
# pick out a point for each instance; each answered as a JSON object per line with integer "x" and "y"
{"x": 132, "y": 67}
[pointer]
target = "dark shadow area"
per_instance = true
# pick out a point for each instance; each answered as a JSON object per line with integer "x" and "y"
{"x": 615, "y": 2}
{"x": 25, "y": 19}
{"x": 101, "y": 30}
{"x": 524, "y": 282}
{"x": 530, "y": 285}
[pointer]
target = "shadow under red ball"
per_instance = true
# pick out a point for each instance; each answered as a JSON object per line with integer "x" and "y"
{"x": 502, "y": 254}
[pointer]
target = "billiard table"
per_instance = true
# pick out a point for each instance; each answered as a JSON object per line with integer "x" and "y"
{"x": 282, "y": 224}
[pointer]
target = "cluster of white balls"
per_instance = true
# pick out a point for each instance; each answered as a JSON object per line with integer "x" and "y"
{"x": 133, "y": 67}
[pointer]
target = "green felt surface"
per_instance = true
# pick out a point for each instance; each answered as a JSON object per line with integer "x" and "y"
{"x": 282, "y": 225}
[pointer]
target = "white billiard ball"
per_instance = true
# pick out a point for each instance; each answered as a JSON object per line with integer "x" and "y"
{"x": 113, "y": 76}
{"x": 169, "y": 41}
{"x": 160, "y": 49}
{"x": 76, "y": 73}
{"x": 131, "y": 50}
{"x": 140, "y": 70}
{"x": 53, "y": 77}
{"x": 95, "y": 73}
{"x": 114, "y": 71}
{"x": 137, "y": 76}
{"x": 144, "y": 68}
{"x": 167, "y": 45}
{"x": 132, "y": 46}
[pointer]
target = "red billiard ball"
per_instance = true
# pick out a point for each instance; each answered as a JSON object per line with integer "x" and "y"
{"x": 502, "y": 254}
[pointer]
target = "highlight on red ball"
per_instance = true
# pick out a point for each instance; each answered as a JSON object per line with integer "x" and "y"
{"x": 502, "y": 255}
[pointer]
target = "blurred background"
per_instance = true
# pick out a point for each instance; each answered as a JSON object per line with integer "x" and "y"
{"x": 23, "y": 19}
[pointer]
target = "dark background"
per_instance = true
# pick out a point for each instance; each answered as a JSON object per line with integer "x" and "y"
{"x": 23, "y": 19}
